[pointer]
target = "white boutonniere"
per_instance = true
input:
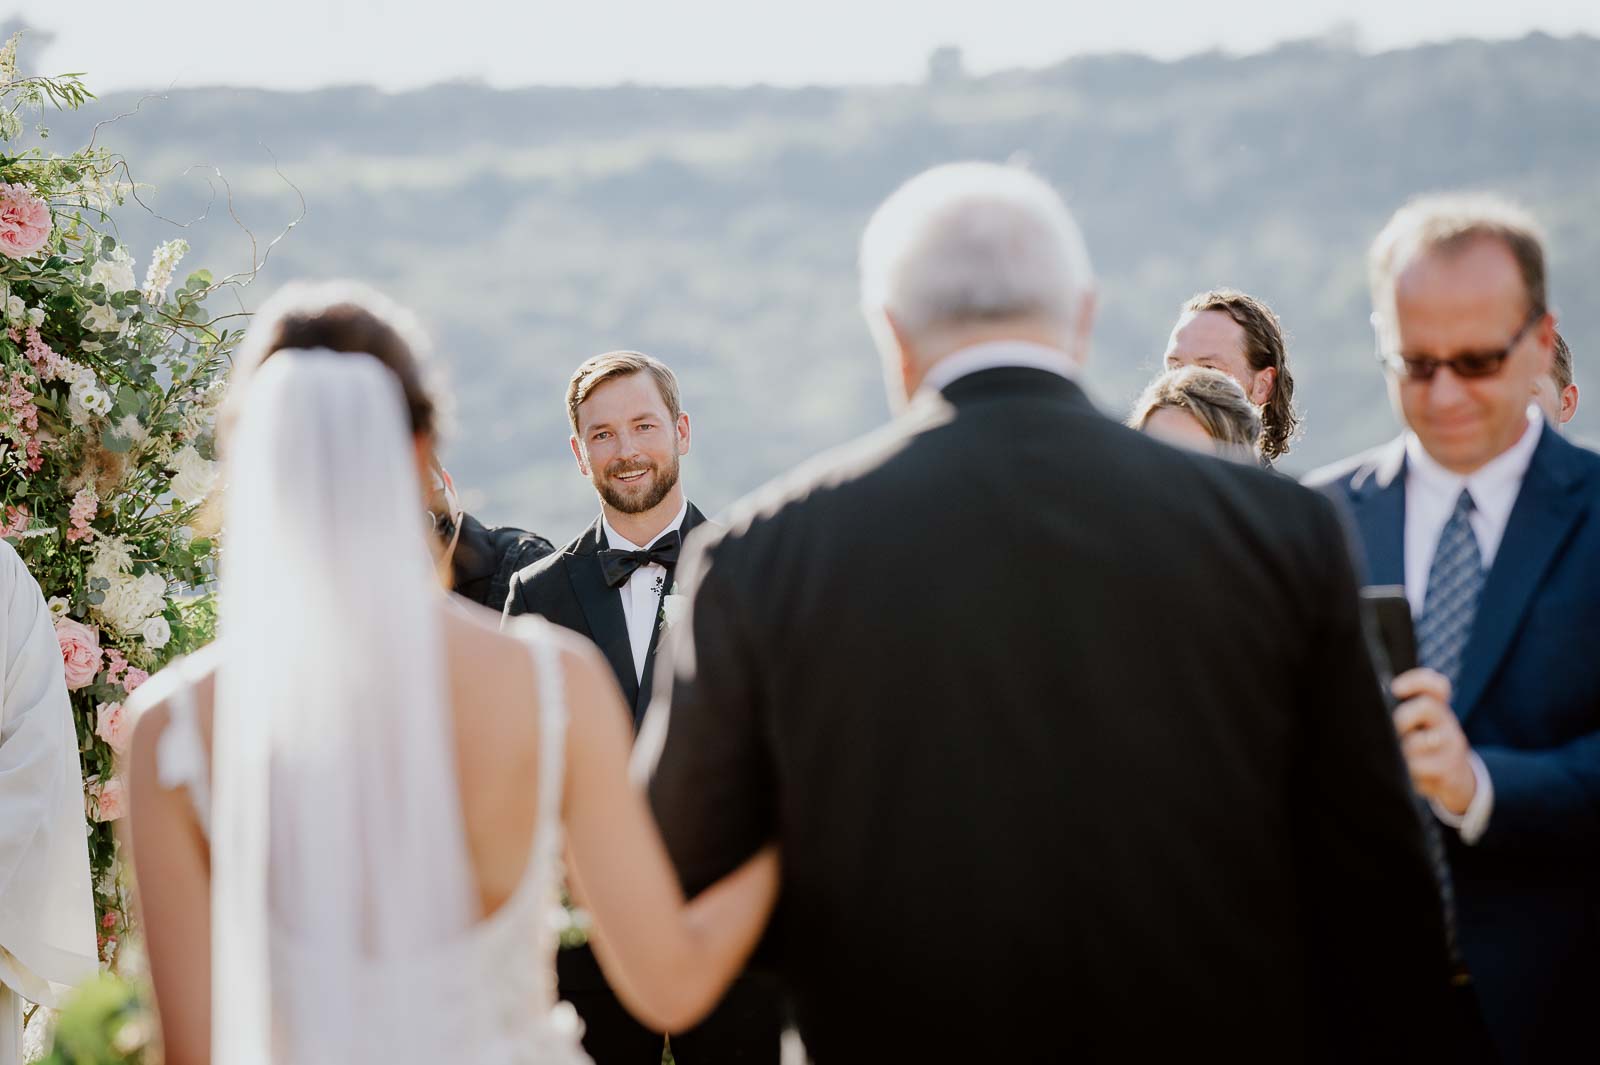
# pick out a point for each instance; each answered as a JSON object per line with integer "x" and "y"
{"x": 674, "y": 609}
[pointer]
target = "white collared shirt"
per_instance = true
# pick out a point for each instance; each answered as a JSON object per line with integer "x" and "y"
{"x": 994, "y": 355}
{"x": 642, "y": 591}
{"x": 1431, "y": 494}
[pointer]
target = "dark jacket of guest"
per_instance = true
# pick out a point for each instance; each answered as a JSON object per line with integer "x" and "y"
{"x": 486, "y": 559}
{"x": 1071, "y": 744}
{"x": 1528, "y": 699}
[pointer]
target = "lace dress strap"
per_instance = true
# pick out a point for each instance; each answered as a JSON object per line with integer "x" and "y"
{"x": 181, "y": 757}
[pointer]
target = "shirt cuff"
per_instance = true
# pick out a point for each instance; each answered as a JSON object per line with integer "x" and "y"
{"x": 1472, "y": 824}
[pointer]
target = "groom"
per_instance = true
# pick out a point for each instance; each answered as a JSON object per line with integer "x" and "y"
{"x": 628, "y": 434}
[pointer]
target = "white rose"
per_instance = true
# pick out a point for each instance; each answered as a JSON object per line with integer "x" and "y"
{"x": 193, "y": 475}
{"x": 16, "y": 310}
{"x": 156, "y": 631}
{"x": 115, "y": 272}
{"x": 36, "y": 316}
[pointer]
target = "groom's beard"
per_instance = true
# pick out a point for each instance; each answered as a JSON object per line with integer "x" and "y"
{"x": 643, "y": 494}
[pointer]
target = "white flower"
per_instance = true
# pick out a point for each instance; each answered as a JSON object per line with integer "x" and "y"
{"x": 102, "y": 318}
{"x": 162, "y": 264}
{"x": 109, "y": 558}
{"x": 16, "y": 310}
{"x": 96, "y": 401}
{"x": 76, "y": 411}
{"x": 130, "y": 601}
{"x": 193, "y": 475}
{"x": 114, "y": 271}
{"x": 674, "y": 609}
{"x": 58, "y": 606}
{"x": 156, "y": 631}
{"x": 36, "y": 316}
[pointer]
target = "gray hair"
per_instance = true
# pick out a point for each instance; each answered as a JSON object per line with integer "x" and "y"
{"x": 973, "y": 242}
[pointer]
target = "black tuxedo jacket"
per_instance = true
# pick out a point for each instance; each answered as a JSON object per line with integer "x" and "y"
{"x": 1071, "y": 744}
{"x": 568, "y": 588}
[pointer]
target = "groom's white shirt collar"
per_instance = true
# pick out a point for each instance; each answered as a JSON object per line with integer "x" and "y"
{"x": 617, "y": 542}
{"x": 994, "y": 355}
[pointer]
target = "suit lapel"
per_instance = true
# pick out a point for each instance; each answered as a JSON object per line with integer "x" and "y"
{"x": 602, "y": 608}
{"x": 691, "y": 518}
{"x": 1378, "y": 505}
{"x": 1548, "y": 508}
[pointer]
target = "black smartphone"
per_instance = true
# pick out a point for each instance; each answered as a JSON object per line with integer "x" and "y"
{"x": 1388, "y": 614}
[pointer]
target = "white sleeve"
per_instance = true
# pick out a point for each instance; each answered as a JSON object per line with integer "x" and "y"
{"x": 47, "y": 934}
{"x": 1471, "y": 824}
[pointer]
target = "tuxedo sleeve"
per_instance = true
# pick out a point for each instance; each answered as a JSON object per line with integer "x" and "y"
{"x": 711, "y": 779}
{"x": 1368, "y": 889}
{"x": 515, "y": 604}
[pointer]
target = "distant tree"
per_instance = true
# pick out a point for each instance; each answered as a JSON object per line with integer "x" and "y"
{"x": 946, "y": 66}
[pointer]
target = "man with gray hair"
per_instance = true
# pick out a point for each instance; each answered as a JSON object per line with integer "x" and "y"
{"x": 1028, "y": 809}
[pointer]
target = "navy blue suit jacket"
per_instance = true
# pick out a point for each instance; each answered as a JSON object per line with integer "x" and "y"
{"x": 1528, "y": 892}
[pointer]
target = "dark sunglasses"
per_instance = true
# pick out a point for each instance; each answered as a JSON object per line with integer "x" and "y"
{"x": 1469, "y": 365}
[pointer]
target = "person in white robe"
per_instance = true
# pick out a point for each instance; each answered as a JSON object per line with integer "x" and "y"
{"x": 47, "y": 933}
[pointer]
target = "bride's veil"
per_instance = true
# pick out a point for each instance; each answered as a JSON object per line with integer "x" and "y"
{"x": 338, "y": 841}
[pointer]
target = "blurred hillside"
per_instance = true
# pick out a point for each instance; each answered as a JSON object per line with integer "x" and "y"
{"x": 717, "y": 228}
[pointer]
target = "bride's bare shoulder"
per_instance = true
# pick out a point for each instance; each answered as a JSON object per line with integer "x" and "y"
{"x": 150, "y": 707}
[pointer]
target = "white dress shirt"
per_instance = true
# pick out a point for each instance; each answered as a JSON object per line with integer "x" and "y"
{"x": 642, "y": 591}
{"x": 1431, "y": 494}
{"x": 994, "y": 355}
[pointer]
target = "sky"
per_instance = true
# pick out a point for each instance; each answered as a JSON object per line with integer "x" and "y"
{"x": 402, "y": 44}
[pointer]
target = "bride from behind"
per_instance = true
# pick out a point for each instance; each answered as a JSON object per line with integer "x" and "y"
{"x": 347, "y": 813}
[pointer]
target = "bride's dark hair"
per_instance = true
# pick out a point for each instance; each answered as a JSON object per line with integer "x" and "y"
{"x": 345, "y": 316}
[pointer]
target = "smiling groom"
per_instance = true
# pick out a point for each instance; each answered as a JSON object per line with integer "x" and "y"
{"x": 629, "y": 433}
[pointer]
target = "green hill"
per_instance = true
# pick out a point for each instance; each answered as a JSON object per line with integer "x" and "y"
{"x": 717, "y": 228}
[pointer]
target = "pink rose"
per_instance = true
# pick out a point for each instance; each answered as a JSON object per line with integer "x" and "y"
{"x": 24, "y": 221}
{"x": 108, "y": 801}
{"x": 80, "y": 652}
{"x": 135, "y": 677}
{"x": 111, "y": 725}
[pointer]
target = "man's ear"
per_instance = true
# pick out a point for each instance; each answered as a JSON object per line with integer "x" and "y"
{"x": 577, "y": 453}
{"x": 1261, "y": 389}
{"x": 682, "y": 428}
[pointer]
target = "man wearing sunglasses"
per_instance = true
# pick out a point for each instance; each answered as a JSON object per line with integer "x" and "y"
{"x": 1491, "y": 522}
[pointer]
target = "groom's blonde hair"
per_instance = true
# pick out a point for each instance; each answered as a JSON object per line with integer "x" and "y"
{"x": 612, "y": 365}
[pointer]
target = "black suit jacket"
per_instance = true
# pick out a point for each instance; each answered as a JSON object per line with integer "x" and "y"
{"x": 1071, "y": 743}
{"x": 568, "y": 588}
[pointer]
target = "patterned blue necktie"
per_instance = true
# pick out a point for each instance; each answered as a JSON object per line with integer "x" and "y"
{"x": 1455, "y": 581}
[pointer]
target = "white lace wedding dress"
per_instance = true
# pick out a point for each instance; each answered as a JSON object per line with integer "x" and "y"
{"x": 496, "y": 1001}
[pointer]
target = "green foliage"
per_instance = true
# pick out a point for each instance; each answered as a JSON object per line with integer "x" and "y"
{"x": 717, "y": 228}
{"x": 107, "y": 394}
{"x": 105, "y": 1022}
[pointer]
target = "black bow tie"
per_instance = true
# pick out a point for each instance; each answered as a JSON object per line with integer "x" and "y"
{"x": 618, "y": 566}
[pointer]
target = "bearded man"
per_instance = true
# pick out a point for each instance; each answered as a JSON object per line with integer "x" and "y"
{"x": 629, "y": 433}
